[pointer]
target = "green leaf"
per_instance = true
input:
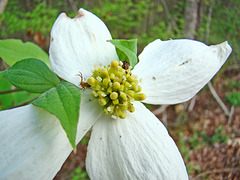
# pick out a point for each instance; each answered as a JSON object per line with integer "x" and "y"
{"x": 13, "y": 50}
{"x": 126, "y": 50}
{"x": 64, "y": 102}
{"x": 32, "y": 75}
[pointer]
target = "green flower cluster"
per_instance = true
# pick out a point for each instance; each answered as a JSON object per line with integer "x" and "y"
{"x": 116, "y": 88}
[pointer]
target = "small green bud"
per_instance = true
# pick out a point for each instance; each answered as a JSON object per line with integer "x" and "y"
{"x": 110, "y": 108}
{"x": 101, "y": 94}
{"x": 135, "y": 88}
{"x": 130, "y": 93}
{"x": 123, "y": 96}
{"x": 123, "y": 116}
{"x": 121, "y": 88}
{"x": 102, "y": 101}
{"x": 116, "y": 101}
{"x": 105, "y": 110}
{"x": 109, "y": 90}
{"x": 139, "y": 97}
{"x": 112, "y": 76}
{"x": 104, "y": 72}
{"x": 131, "y": 108}
{"x": 91, "y": 81}
{"x": 116, "y": 85}
{"x": 127, "y": 84}
{"x": 124, "y": 106}
{"x": 95, "y": 94}
{"x": 114, "y": 63}
{"x": 98, "y": 87}
{"x": 130, "y": 79}
{"x": 114, "y": 95}
{"x": 105, "y": 82}
{"x": 116, "y": 79}
{"x": 99, "y": 78}
{"x": 139, "y": 88}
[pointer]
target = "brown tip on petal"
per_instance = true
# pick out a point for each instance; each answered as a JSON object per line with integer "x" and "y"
{"x": 51, "y": 39}
{"x": 80, "y": 13}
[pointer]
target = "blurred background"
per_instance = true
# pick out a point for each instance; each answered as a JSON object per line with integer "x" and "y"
{"x": 206, "y": 128}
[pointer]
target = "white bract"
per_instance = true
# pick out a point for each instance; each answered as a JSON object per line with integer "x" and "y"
{"x": 33, "y": 145}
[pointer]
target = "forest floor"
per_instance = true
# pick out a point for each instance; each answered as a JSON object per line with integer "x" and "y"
{"x": 208, "y": 140}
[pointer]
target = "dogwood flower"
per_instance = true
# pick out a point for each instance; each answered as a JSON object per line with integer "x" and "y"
{"x": 33, "y": 145}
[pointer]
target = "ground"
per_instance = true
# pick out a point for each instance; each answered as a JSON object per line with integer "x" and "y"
{"x": 209, "y": 140}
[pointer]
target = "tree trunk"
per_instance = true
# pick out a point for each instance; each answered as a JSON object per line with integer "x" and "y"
{"x": 3, "y": 4}
{"x": 191, "y": 18}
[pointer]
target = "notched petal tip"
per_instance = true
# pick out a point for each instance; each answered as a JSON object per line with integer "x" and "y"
{"x": 62, "y": 15}
{"x": 223, "y": 50}
{"x": 80, "y": 13}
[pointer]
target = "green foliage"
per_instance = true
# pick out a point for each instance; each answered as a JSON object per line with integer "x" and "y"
{"x": 192, "y": 167}
{"x": 183, "y": 147}
{"x": 233, "y": 84}
{"x": 79, "y": 174}
{"x": 142, "y": 20}
{"x": 41, "y": 18}
{"x": 126, "y": 50}
{"x": 233, "y": 98}
{"x": 200, "y": 139}
{"x": 13, "y": 50}
{"x": 195, "y": 141}
{"x": 64, "y": 102}
{"x": 219, "y": 136}
{"x": 225, "y": 24}
{"x": 32, "y": 75}
{"x": 15, "y": 20}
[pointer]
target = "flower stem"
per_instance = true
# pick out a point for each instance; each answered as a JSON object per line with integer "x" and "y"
{"x": 10, "y": 91}
{"x": 23, "y": 103}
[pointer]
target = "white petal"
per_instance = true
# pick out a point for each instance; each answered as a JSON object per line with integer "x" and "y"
{"x": 174, "y": 71}
{"x": 33, "y": 144}
{"x": 138, "y": 147}
{"x": 90, "y": 112}
{"x": 77, "y": 44}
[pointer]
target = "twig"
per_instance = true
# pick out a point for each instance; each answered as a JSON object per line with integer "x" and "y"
{"x": 216, "y": 171}
{"x": 182, "y": 113}
{"x": 192, "y": 103}
{"x": 10, "y": 91}
{"x": 217, "y": 98}
{"x": 209, "y": 18}
{"x": 24, "y": 103}
{"x": 231, "y": 115}
{"x": 3, "y": 64}
{"x": 232, "y": 67}
{"x": 3, "y": 4}
{"x": 164, "y": 118}
{"x": 73, "y": 5}
{"x": 160, "y": 110}
{"x": 165, "y": 7}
